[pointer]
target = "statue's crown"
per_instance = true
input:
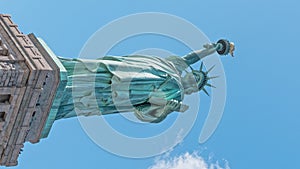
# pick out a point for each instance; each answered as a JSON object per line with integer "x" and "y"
{"x": 202, "y": 78}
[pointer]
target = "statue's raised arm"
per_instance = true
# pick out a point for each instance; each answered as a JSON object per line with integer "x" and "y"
{"x": 222, "y": 47}
{"x": 149, "y": 86}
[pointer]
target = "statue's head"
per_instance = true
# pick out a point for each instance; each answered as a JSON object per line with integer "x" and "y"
{"x": 196, "y": 81}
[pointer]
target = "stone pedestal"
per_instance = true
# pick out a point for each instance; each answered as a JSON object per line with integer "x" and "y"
{"x": 29, "y": 80}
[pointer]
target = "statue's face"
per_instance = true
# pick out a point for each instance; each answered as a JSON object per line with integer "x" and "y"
{"x": 194, "y": 81}
{"x": 201, "y": 79}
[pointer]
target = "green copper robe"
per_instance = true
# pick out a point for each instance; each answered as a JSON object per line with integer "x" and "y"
{"x": 148, "y": 86}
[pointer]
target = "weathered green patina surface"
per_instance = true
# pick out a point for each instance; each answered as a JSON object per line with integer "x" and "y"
{"x": 149, "y": 86}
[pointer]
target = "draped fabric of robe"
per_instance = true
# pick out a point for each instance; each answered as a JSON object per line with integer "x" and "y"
{"x": 139, "y": 84}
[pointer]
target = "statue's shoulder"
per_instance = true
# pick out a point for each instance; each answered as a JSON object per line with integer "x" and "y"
{"x": 178, "y": 62}
{"x": 115, "y": 58}
{"x": 127, "y": 57}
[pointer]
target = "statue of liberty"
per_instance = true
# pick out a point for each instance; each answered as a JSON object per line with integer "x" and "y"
{"x": 37, "y": 88}
{"x": 149, "y": 86}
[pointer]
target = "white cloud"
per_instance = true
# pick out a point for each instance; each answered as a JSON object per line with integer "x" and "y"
{"x": 187, "y": 161}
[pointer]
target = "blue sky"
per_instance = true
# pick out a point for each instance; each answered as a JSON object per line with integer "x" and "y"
{"x": 260, "y": 127}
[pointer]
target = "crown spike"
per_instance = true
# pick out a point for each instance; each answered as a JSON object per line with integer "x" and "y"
{"x": 191, "y": 68}
{"x": 205, "y": 91}
{"x": 213, "y": 77}
{"x": 210, "y": 69}
{"x": 201, "y": 67}
{"x": 207, "y": 84}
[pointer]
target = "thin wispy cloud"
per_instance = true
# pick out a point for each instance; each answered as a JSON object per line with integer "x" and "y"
{"x": 187, "y": 161}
